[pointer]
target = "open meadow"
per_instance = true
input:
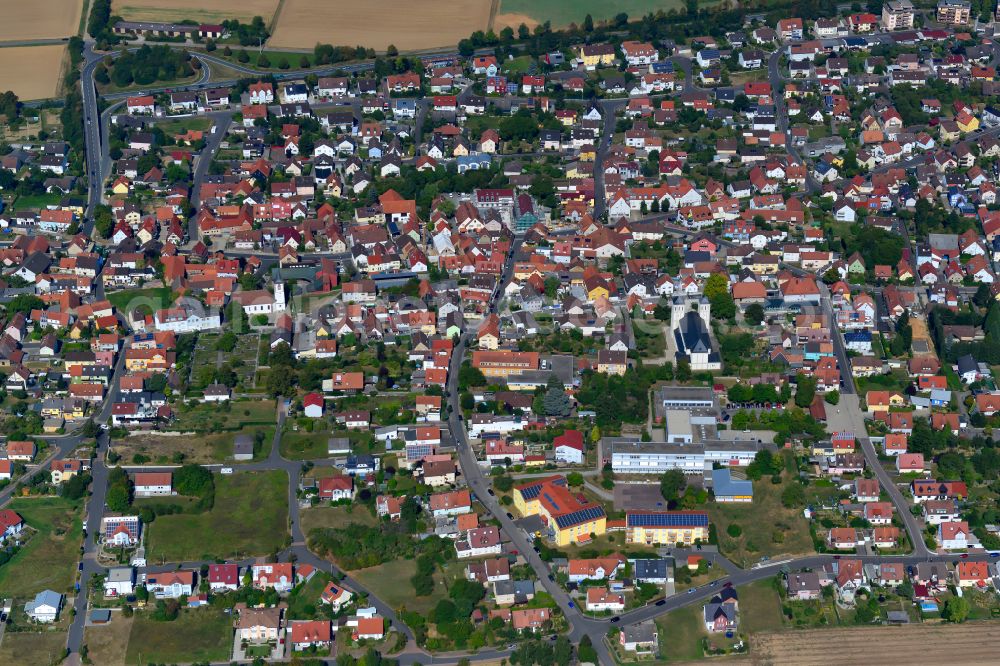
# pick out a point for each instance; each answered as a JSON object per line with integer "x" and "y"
{"x": 41, "y": 19}
{"x": 195, "y": 10}
{"x": 563, "y": 12}
{"x": 409, "y": 26}
{"x": 33, "y": 72}
{"x": 250, "y": 517}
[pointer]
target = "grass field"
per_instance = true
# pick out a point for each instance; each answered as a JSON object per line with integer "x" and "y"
{"x": 195, "y": 10}
{"x": 37, "y": 201}
{"x": 43, "y": 648}
{"x": 49, "y": 558}
{"x": 182, "y": 125}
{"x": 33, "y": 72}
{"x": 250, "y": 517}
{"x": 107, "y": 643}
{"x": 760, "y": 607}
{"x": 768, "y": 528}
{"x": 680, "y": 633}
{"x": 970, "y": 644}
{"x": 239, "y": 415}
{"x": 42, "y": 19}
{"x": 407, "y": 25}
{"x": 153, "y": 298}
{"x": 390, "y": 582}
{"x": 203, "y": 634}
{"x": 563, "y": 12}
{"x": 336, "y": 517}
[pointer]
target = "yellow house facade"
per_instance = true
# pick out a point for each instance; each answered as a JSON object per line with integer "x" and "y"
{"x": 666, "y": 528}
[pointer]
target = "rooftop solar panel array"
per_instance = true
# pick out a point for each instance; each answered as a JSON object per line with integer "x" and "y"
{"x": 666, "y": 519}
{"x": 577, "y": 517}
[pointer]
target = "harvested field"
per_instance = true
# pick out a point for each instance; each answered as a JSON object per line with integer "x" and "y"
{"x": 195, "y": 10}
{"x": 969, "y": 644}
{"x": 408, "y": 25}
{"x": 33, "y": 72}
{"x": 41, "y": 19}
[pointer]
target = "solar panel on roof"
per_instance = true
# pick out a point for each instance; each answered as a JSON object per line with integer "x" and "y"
{"x": 667, "y": 520}
{"x": 582, "y": 516}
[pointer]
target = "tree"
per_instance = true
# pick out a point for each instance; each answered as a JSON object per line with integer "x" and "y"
{"x": 24, "y": 303}
{"x": 117, "y": 498}
{"x": 805, "y": 391}
{"x": 832, "y": 397}
{"x": 588, "y": 23}
{"x": 983, "y": 297}
{"x": 754, "y": 314}
{"x": 716, "y": 284}
{"x": 794, "y": 495}
{"x": 956, "y": 609}
{"x": 556, "y": 402}
{"x": 734, "y": 530}
{"x": 671, "y": 484}
{"x": 574, "y": 479}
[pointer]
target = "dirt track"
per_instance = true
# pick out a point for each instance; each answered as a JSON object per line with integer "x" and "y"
{"x": 968, "y": 644}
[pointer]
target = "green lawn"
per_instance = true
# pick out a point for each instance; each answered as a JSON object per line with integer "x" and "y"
{"x": 153, "y": 299}
{"x": 182, "y": 125}
{"x": 563, "y": 12}
{"x": 303, "y": 445}
{"x": 760, "y": 607}
{"x": 250, "y": 517}
{"x": 48, "y": 560}
{"x": 203, "y": 634}
{"x": 768, "y": 528}
{"x": 36, "y": 201}
{"x": 681, "y": 633}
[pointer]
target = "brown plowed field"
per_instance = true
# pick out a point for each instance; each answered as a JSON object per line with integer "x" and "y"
{"x": 967, "y": 644}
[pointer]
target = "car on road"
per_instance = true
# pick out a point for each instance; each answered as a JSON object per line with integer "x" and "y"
{"x": 571, "y": 605}
{"x": 226, "y": 470}
{"x": 615, "y": 619}
{"x": 661, "y": 602}
{"x": 691, "y": 591}
{"x": 510, "y": 515}
{"x": 490, "y": 491}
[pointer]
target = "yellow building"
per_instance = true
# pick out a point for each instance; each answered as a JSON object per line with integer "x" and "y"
{"x": 568, "y": 519}
{"x": 666, "y": 528}
{"x": 595, "y": 55}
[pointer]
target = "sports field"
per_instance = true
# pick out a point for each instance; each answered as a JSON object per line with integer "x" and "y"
{"x": 409, "y": 25}
{"x": 33, "y": 72}
{"x": 215, "y": 11}
{"x": 39, "y": 19}
{"x": 563, "y": 12}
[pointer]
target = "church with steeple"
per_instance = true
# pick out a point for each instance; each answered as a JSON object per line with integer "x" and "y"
{"x": 690, "y": 324}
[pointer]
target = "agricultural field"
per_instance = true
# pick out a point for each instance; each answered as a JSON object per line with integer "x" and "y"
{"x": 250, "y": 517}
{"x": 203, "y": 634}
{"x": 33, "y": 72}
{"x": 41, "y": 19}
{"x": 194, "y": 10}
{"x": 407, "y": 25}
{"x": 971, "y": 643}
{"x": 48, "y": 559}
{"x": 563, "y": 12}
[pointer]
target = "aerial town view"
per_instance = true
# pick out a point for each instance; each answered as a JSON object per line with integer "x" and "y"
{"x": 499, "y": 332}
